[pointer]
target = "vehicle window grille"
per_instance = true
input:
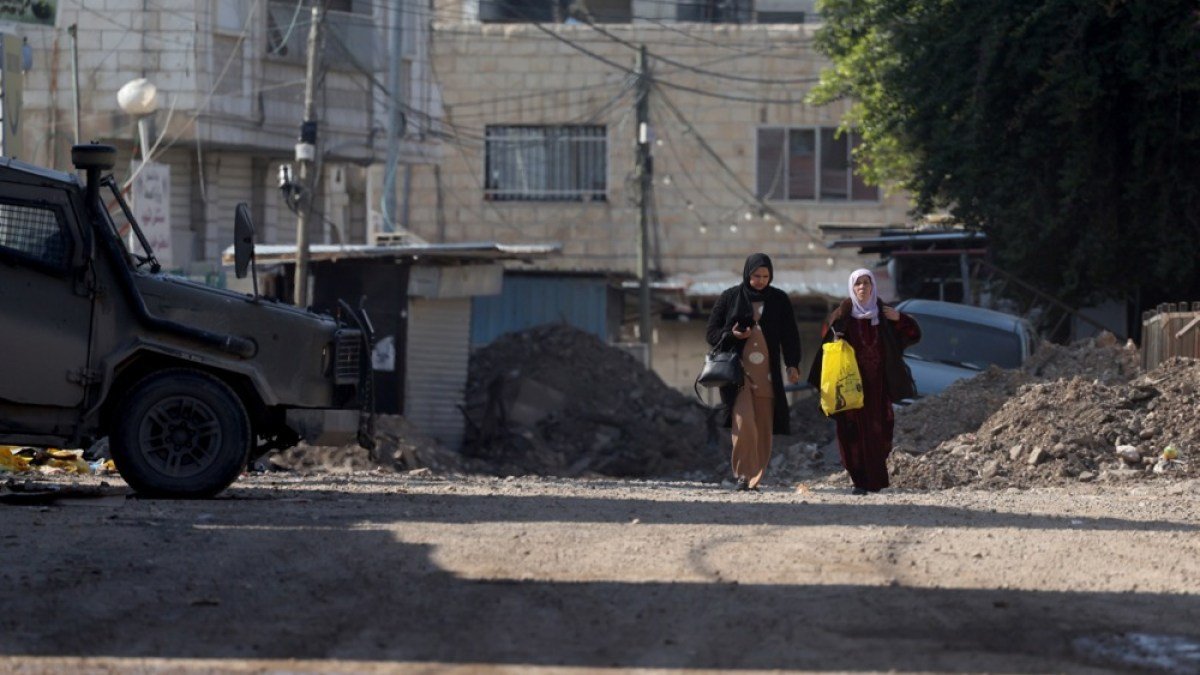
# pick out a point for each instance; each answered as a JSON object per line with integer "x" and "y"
{"x": 347, "y": 357}
{"x": 33, "y": 232}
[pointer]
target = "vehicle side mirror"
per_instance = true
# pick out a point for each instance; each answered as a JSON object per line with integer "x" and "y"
{"x": 243, "y": 240}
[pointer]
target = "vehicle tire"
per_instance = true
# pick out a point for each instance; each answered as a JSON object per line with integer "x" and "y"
{"x": 181, "y": 434}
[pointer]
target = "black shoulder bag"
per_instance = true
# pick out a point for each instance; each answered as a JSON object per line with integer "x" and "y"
{"x": 722, "y": 367}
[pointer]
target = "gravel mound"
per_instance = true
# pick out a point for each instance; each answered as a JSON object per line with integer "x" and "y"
{"x": 1095, "y": 423}
{"x": 399, "y": 446}
{"x": 554, "y": 400}
{"x": 965, "y": 405}
{"x": 961, "y": 408}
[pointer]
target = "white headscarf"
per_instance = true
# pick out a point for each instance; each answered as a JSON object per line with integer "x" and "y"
{"x": 869, "y": 309}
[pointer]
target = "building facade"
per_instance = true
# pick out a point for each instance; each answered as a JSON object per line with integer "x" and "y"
{"x": 542, "y": 129}
{"x": 230, "y": 78}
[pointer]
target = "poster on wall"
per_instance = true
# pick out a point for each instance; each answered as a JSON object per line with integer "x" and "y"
{"x": 40, "y": 12}
{"x": 151, "y": 196}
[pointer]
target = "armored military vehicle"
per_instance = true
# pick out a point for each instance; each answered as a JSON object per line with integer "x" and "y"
{"x": 188, "y": 382}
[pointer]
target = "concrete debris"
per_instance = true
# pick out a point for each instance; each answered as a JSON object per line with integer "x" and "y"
{"x": 398, "y": 446}
{"x": 556, "y": 401}
{"x": 1078, "y": 413}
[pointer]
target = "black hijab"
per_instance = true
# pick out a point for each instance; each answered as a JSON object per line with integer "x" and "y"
{"x": 742, "y": 312}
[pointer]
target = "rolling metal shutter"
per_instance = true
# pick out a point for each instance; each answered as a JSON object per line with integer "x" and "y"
{"x": 439, "y": 333}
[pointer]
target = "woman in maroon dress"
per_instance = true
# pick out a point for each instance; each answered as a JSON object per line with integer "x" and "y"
{"x": 879, "y": 334}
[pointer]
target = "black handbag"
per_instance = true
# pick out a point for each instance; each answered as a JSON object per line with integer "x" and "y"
{"x": 721, "y": 367}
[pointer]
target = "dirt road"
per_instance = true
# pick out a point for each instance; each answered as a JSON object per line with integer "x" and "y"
{"x": 379, "y": 572}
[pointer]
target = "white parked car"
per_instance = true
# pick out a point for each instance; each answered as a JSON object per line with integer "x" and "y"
{"x": 959, "y": 341}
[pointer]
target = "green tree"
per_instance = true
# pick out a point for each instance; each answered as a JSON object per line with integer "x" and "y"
{"x": 1067, "y": 130}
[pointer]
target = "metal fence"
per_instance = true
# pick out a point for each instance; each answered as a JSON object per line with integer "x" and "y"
{"x": 1170, "y": 330}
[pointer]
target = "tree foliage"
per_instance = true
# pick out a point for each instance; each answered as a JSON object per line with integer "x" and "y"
{"x": 1068, "y": 130}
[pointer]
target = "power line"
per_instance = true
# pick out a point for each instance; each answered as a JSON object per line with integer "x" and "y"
{"x": 699, "y": 70}
{"x": 660, "y": 81}
{"x": 720, "y": 161}
{"x": 523, "y": 14}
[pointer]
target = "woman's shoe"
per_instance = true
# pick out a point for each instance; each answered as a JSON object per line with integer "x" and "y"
{"x": 858, "y": 491}
{"x": 742, "y": 484}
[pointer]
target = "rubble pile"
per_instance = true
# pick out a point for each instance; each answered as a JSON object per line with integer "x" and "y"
{"x": 808, "y": 423}
{"x": 965, "y": 405}
{"x": 1076, "y": 428}
{"x": 554, "y": 400}
{"x": 398, "y": 446}
{"x": 307, "y": 458}
{"x": 961, "y": 408}
{"x": 1101, "y": 358}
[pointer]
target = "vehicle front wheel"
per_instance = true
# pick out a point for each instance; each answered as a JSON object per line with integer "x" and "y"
{"x": 180, "y": 433}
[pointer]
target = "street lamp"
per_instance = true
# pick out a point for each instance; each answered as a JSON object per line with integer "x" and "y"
{"x": 140, "y": 98}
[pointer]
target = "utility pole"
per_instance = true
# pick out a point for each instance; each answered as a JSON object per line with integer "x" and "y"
{"x": 306, "y": 153}
{"x": 73, "y": 31}
{"x": 394, "y": 126}
{"x": 645, "y": 173}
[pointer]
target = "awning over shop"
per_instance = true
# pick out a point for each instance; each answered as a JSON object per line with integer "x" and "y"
{"x": 270, "y": 254}
{"x": 826, "y": 283}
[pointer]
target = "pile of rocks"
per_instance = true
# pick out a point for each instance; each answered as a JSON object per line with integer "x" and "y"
{"x": 1102, "y": 358}
{"x": 398, "y": 446}
{"x": 554, "y": 400}
{"x": 961, "y": 408}
{"x": 557, "y": 401}
{"x": 965, "y": 405}
{"x": 1074, "y": 427}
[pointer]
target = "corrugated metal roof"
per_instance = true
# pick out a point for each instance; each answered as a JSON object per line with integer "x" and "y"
{"x": 483, "y": 250}
{"x": 829, "y": 283}
{"x": 895, "y": 240}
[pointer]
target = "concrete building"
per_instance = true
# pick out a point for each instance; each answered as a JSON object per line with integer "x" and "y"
{"x": 521, "y": 127}
{"x": 230, "y": 77}
{"x": 540, "y": 115}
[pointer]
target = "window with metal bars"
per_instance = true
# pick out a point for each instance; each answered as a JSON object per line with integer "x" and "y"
{"x": 817, "y": 164}
{"x": 546, "y": 163}
{"x": 33, "y": 232}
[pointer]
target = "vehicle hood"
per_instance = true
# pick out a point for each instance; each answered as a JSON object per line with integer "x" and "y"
{"x": 931, "y": 377}
{"x": 221, "y": 311}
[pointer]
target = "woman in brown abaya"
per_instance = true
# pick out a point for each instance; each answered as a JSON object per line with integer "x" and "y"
{"x": 756, "y": 319}
{"x": 879, "y": 335}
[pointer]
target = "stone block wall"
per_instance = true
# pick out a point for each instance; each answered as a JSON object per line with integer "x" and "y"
{"x": 716, "y": 85}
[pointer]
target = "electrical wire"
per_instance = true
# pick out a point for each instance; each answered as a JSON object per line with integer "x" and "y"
{"x": 442, "y": 17}
{"x": 522, "y": 14}
{"x": 749, "y": 194}
{"x": 288, "y": 35}
{"x": 662, "y": 82}
{"x": 208, "y": 97}
{"x": 702, "y": 71}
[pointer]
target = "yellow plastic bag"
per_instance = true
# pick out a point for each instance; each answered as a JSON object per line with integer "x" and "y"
{"x": 841, "y": 385}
